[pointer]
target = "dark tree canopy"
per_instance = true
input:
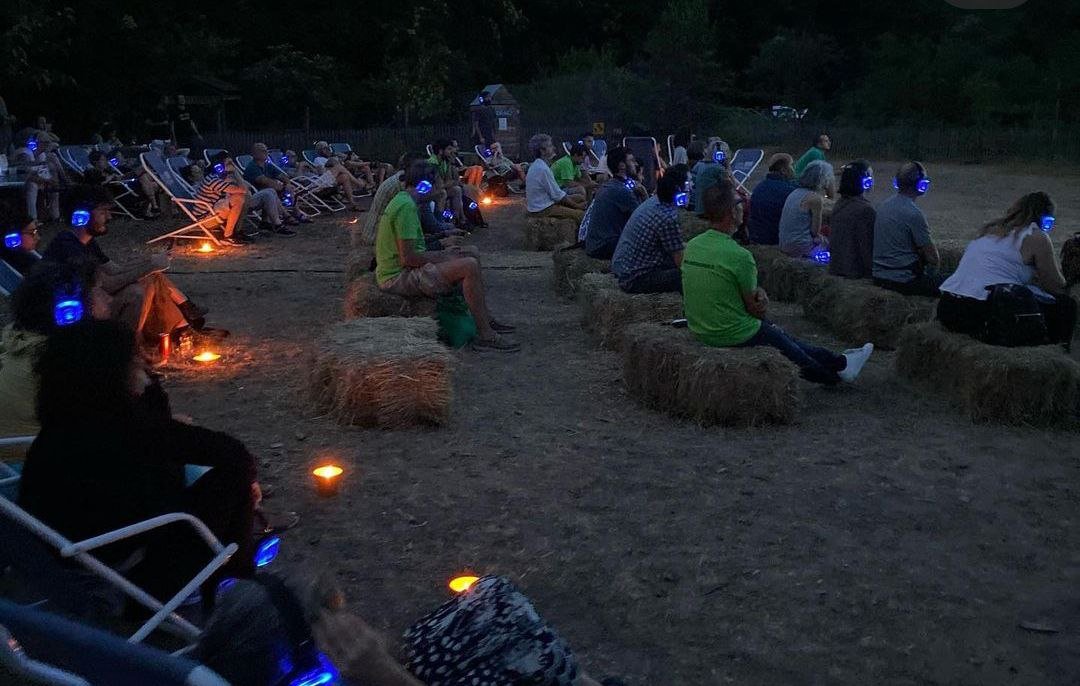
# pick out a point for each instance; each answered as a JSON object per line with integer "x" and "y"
{"x": 671, "y": 63}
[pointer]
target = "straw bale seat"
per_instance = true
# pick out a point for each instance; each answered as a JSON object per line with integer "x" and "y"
{"x": 364, "y": 298}
{"x": 606, "y": 310}
{"x": 570, "y": 264}
{"x": 544, "y": 233}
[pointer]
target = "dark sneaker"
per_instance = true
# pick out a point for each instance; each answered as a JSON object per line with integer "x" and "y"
{"x": 496, "y": 343}
{"x": 499, "y": 327}
{"x": 283, "y": 231}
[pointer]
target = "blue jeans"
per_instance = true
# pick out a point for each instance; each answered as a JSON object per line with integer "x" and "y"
{"x": 662, "y": 280}
{"x": 816, "y": 364}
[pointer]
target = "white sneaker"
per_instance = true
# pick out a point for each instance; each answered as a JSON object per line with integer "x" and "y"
{"x": 856, "y": 358}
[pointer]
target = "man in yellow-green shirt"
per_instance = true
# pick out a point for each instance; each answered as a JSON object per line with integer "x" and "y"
{"x": 726, "y": 308}
{"x": 404, "y": 267}
{"x": 568, "y": 174}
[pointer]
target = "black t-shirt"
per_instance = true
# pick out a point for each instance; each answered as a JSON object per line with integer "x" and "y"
{"x": 182, "y": 122}
{"x": 66, "y": 248}
{"x": 160, "y": 129}
{"x": 20, "y": 260}
{"x": 485, "y": 122}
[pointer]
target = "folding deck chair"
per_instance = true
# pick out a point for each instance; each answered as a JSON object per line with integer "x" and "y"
{"x": 77, "y": 158}
{"x": 644, "y": 150}
{"x": 744, "y": 163}
{"x": 177, "y": 165}
{"x": 341, "y": 148}
{"x": 309, "y": 185}
{"x": 57, "y": 651}
{"x": 485, "y": 159}
{"x": 670, "y": 148}
{"x": 201, "y": 214}
{"x": 76, "y": 581}
{"x": 10, "y": 279}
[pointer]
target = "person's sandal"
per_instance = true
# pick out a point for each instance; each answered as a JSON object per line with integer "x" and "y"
{"x": 499, "y": 327}
{"x": 274, "y": 522}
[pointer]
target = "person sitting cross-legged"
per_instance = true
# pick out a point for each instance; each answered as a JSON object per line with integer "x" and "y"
{"x": 403, "y": 266}
{"x": 224, "y": 189}
{"x": 143, "y": 298}
{"x": 725, "y": 307}
{"x": 650, "y": 249}
{"x": 262, "y": 175}
{"x": 612, "y": 206}
{"x": 543, "y": 197}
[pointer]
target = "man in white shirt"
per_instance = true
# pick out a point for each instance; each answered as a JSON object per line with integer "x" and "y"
{"x": 543, "y": 197}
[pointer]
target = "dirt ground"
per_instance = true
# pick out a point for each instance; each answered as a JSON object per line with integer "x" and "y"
{"x": 881, "y": 539}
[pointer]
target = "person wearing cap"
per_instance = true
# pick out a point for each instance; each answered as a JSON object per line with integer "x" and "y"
{"x": 768, "y": 198}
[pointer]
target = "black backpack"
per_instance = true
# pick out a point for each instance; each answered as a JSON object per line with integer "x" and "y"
{"x": 1013, "y": 317}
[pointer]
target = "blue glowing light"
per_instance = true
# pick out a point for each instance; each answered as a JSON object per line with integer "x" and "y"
{"x": 67, "y": 311}
{"x": 114, "y": 161}
{"x": 322, "y": 675}
{"x": 682, "y": 199}
{"x": 284, "y": 160}
{"x": 12, "y": 240}
{"x": 32, "y": 143}
{"x": 424, "y": 187}
{"x": 225, "y": 585}
{"x": 219, "y": 168}
{"x": 488, "y": 152}
{"x": 821, "y": 256}
{"x": 1046, "y": 223}
{"x": 267, "y": 550}
{"x": 896, "y": 183}
{"x": 719, "y": 156}
{"x": 630, "y": 183}
{"x": 867, "y": 182}
{"x": 287, "y": 199}
{"x": 448, "y": 214}
{"x": 473, "y": 205}
{"x": 80, "y": 217}
{"x": 922, "y": 186}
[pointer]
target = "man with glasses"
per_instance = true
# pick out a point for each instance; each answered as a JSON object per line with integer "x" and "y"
{"x": 19, "y": 249}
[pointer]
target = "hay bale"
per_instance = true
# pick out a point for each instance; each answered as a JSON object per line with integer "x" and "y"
{"x": 544, "y": 233}
{"x": 606, "y": 310}
{"x": 363, "y": 298}
{"x": 792, "y": 280}
{"x": 1037, "y": 386}
{"x": 389, "y": 373}
{"x": 764, "y": 256}
{"x": 570, "y": 264}
{"x": 858, "y": 311}
{"x": 666, "y": 369}
{"x": 950, "y": 251}
{"x": 692, "y": 225}
{"x": 358, "y": 263}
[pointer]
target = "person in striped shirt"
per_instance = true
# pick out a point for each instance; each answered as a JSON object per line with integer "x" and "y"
{"x": 225, "y": 191}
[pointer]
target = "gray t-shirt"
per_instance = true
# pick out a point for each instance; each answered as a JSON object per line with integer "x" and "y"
{"x": 900, "y": 229}
{"x": 795, "y": 224}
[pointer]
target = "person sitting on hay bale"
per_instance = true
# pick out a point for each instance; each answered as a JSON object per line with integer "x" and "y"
{"x": 611, "y": 208}
{"x": 1015, "y": 249}
{"x": 569, "y": 175}
{"x": 404, "y": 267}
{"x": 768, "y": 198}
{"x": 650, "y": 249}
{"x": 851, "y": 226}
{"x": 715, "y": 164}
{"x": 390, "y": 187}
{"x": 802, "y": 216}
{"x": 725, "y": 307}
{"x": 143, "y": 298}
{"x": 543, "y": 197}
{"x": 905, "y": 257}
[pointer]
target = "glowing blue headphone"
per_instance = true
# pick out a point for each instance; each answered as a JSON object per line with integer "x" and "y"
{"x": 488, "y": 152}
{"x": 719, "y": 156}
{"x": 80, "y": 217}
{"x": 13, "y": 240}
{"x": 114, "y": 161}
{"x": 867, "y": 181}
{"x": 821, "y": 256}
{"x": 68, "y": 306}
{"x": 287, "y": 199}
{"x": 682, "y": 198}
{"x": 424, "y": 187}
{"x": 267, "y": 551}
{"x": 1046, "y": 223}
{"x": 630, "y": 184}
{"x": 219, "y": 168}
{"x": 284, "y": 160}
{"x": 922, "y": 185}
{"x": 473, "y": 205}
{"x": 448, "y": 214}
{"x": 32, "y": 143}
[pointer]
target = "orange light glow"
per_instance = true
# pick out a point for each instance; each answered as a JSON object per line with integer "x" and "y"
{"x": 486, "y": 200}
{"x": 206, "y": 247}
{"x": 355, "y": 220}
{"x": 460, "y": 584}
{"x": 206, "y": 357}
{"x": 328, "y": 472}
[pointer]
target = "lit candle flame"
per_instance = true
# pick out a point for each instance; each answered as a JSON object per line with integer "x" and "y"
{"x": 206, "y": 247}
{"x": 486, "y": 200}
{"x": 461, "y": 584}
{"x": 206, "y": 357}
{"x": 328, "y": 472}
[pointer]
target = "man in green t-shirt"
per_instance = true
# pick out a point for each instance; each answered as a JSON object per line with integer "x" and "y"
{"x": 404, "y": 267}
{"x": 568, "y": 174}
{"x": 817, "y": 151}
{"x": 725, "y": 307}
{"x": 448, "y": 188}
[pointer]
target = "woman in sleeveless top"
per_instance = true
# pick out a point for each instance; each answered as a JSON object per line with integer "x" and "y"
{"x": 800, "y": 221}
{"x": 1016, "y": 250}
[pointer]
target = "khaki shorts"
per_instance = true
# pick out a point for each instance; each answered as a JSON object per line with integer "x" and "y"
{"x": 425, "y": 281}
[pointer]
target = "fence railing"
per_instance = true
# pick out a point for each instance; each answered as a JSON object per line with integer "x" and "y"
{"x": 849, "y": 142}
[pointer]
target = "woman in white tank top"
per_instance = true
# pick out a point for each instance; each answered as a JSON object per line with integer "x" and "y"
{"x": 1014, "y": 249}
